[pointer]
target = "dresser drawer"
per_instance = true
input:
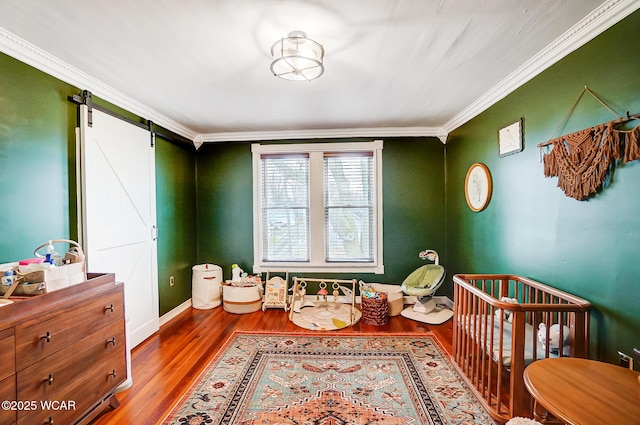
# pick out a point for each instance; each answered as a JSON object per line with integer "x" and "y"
{"x": 8, "y": 393}
{"x": 7, "y": 353}
{"x": 80, "y": 374}
{"x": 39, "y": 338}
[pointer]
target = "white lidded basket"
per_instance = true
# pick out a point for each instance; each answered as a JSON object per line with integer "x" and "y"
{"x": 206, "y": 291}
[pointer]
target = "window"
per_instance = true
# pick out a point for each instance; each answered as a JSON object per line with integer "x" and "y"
{"x": 317, "y": 207}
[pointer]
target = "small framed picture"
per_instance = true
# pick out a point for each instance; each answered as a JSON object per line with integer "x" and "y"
{"x": 510, "y": 139}
{"x": 477, "y": 187}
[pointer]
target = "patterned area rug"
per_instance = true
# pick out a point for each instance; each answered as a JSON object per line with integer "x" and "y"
{"x": 329, "y": 379}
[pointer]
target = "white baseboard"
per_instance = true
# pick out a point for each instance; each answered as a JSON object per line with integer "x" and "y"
{"x": 166, "y": 318}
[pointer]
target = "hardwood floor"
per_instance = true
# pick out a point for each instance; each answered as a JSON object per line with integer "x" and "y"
{"x": 165, "y": 364}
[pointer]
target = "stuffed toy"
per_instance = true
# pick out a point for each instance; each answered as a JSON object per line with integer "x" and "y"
{"x": 508, "y": 315}
{"x": 554, "y": 338}
{"x": 236, "y": 273}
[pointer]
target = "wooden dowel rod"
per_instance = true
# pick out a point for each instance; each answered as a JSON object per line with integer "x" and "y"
{"x": 620, "y": 120}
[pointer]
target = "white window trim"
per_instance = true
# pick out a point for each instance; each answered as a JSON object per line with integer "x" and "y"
{"x": 316, "y": 263}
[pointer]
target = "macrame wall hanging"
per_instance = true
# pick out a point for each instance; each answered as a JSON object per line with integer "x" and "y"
{"x": 582, "y": 160}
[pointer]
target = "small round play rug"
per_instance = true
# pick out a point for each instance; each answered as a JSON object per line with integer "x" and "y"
{"x": 326, "y": 316}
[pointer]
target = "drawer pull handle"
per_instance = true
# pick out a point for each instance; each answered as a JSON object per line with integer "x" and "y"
{"x": 108, "y": 308}
{"x": 49, "y": 422}
{"x": 111, "y": 341}
{"x": 112, "y": 373}
{"x": 49, "y": 380}
{"x": 46, "y": 337}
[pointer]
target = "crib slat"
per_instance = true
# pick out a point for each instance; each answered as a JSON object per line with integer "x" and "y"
{"x": 518, "y": 402}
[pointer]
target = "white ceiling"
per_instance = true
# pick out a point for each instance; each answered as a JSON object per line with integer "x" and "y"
{"x": 392, "y": 67}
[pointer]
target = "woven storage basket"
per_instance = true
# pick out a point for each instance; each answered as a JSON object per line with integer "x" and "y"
{"x": 241, "y": 299}
{"x": 394, "y": 296}
{"x": 375, "y": 311}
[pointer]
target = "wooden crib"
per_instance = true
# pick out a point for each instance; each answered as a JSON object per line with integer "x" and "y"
{"x": 494, "y": 339}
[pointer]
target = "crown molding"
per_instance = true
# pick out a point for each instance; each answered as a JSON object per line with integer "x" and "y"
{"x": 324, "y": 134}
{"x": 32, "y": 55}
{"x": 602, "y": 18}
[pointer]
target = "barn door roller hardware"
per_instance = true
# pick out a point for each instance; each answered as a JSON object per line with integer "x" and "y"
{"x": 86, "y": 98}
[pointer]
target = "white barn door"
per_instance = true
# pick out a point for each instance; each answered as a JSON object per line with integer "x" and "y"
{"x": 118, "y": 203}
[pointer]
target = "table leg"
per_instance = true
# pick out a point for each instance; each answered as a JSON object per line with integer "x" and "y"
{"x": 540, "y": 414}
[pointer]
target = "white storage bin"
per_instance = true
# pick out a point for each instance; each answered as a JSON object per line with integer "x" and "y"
{"x": 206, "y": 290}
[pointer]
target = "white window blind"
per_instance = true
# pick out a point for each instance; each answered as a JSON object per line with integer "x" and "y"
{"x": 285, "y": 207}
{"x": 349, "y": 206}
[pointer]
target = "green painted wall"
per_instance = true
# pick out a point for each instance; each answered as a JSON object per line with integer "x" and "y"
{"x": 530, "y": 227}
{"x": 176, "y": 217}
{"x": 38, "y": 180}
{"x": 224, "y": 201}
{"x": 37, "y": 160}
{"x": 413, "y": 206}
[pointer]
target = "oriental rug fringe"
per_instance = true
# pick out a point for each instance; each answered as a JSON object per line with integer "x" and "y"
{"x": 329, "y": 378}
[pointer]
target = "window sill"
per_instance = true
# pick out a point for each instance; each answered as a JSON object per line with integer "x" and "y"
{"x": 319, "y": 268}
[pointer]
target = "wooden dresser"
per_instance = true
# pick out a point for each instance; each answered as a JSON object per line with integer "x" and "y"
{"x": 63, "y": 354}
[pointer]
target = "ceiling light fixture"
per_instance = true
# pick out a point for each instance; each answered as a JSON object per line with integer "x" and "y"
{"x": 297, "y": 57}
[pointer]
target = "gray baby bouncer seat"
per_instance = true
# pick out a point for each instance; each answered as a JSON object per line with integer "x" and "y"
{"x": 422, "y": 284}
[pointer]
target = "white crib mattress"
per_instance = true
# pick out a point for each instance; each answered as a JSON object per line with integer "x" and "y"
{"x": 530, "y": 334}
